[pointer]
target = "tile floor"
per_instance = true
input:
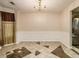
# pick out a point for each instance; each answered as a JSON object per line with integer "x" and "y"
{"x": 43, "y": 49}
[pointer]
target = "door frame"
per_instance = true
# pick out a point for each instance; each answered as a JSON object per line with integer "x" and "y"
{"x": 73, "y": 47}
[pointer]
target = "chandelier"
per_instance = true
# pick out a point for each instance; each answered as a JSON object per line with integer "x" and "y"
{"x": 39, "y": 7}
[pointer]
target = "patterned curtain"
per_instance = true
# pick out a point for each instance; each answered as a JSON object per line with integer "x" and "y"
{"x": 8, "y": 28}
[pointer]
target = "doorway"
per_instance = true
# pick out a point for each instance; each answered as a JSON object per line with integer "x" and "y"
{"x": 75, "y": 27}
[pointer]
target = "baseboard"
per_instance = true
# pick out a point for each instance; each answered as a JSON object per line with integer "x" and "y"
{"x": 9, "y": 44}
{"x": 76, "y": 49}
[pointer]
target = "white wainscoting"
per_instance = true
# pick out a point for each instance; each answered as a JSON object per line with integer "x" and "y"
{"x": 63, "y": 37}
{"x": 2, "y": 8}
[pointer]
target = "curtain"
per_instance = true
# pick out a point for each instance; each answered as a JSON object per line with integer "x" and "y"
{"x": 8, "y": 28}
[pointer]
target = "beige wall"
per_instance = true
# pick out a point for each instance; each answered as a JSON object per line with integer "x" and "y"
{"x": 38, "y": 22}
{"x": 27, "y": 22}
{"x": 39, "y": 27}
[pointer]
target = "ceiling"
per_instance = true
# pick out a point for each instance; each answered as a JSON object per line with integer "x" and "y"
{"x": 28, "y": 5}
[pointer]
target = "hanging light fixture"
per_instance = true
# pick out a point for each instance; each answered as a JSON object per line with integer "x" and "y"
{"x": 39, "y": 7}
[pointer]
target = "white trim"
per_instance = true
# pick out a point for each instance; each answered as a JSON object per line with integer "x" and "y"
{"x": 2, "y": 8}
{"x": 9, "y": 44}
{"x": 76, "y": 49}
{"x": 63, "y": 37}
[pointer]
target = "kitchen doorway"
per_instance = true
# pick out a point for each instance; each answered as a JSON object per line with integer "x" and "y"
{"x": 75, "y": 27}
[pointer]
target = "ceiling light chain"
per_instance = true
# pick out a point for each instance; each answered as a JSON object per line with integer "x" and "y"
{"x": 39, "y": 5}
